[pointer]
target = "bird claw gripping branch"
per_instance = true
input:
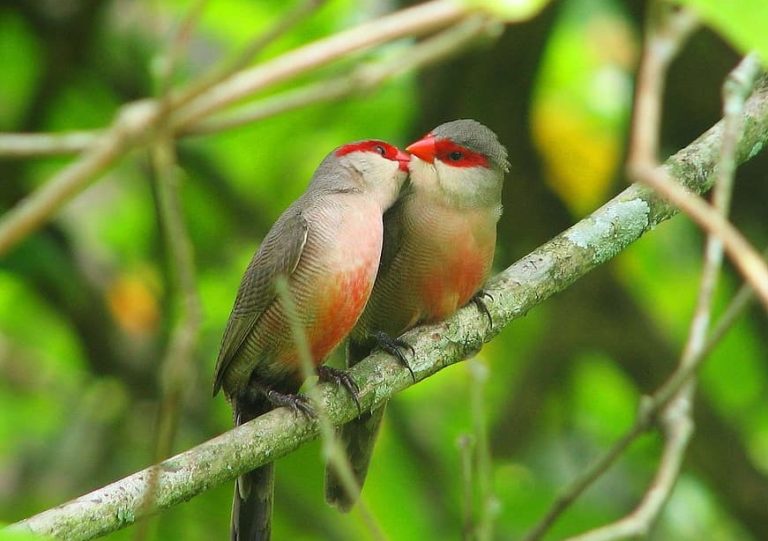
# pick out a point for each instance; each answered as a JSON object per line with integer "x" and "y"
{"x": 342, "y": 379}
{"x": 395, "y": 347}
{"x": 479, "y": 300}
{"x": 298, "y": 403}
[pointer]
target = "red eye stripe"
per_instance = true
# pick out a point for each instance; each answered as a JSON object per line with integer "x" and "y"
{"x": 455, "y": 155}
{"x": 373, "y": 145}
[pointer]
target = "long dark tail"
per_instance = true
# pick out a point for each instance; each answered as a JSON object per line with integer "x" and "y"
{"x": 252, "y": 503}
{"x": 358, "y": 438}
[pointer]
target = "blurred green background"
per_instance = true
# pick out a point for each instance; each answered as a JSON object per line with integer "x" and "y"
{"x": 86, "y": 311}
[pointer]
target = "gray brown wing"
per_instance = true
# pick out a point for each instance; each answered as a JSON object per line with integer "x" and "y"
{"x": 279, "y": 254}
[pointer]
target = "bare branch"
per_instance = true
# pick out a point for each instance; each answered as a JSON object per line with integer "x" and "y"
{"x": 136, "y": 122}
{"x": 678, "y": 428}
{"x": 549, "y": 269}
{"x": 649, "y": 408}
{"x": 129, "y": 129}
{"x": 743, "y": 255}
{"x": 362, "y": 79}
{"x": 674, "y": 397}
{"x": 177, "y": 369}
{"x": 25, "y": 145}
{"x": 227, "y": 69}
{"x": 667, "y": 31}
{"x": 668, "y": 28}
{"x": 414, "y": 21}
{"x": 21, "y": 145}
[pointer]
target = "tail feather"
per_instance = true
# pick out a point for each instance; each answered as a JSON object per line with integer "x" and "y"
{"x": 358, "y": 438}
{"x": 252, "y": 502}
{"x": 252, "y": 505}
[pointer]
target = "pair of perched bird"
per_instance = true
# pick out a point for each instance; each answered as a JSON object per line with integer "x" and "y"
{"x": 381, "y": 241}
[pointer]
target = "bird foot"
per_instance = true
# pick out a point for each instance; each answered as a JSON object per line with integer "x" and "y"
{"x": 341, "y": 378}
{"x": 395, "y": 347}
{"x": 479, "y": 300}
{"x": 296, "y": 402}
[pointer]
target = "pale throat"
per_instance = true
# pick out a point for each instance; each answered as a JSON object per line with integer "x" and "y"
{"x": 379, "y": 178}
{"x": 459, "y": 187}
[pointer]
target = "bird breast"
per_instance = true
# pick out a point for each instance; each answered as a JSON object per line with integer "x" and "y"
{"x": 337, "y": 270}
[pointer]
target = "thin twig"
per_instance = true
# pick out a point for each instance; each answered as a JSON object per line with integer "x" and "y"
{"x": 676, "y": 416}
{"x": 22, "y": 145}
{"x": 743, "y": 255}
{"x": 26, "y": 145}
{"x": 683, "y": 373}
{"x": 488, "y": 509}
{"x": 677, "y": 431}
{"x": 244, "y": 57}
{"x": 669, "y": 26}
{"x": 667, "y": 30}
{"x": 177, "y": 368}
{"x": 127, "y": 131}
{"x": 674, "y": 394}
{"x": 649, "y": 408}
{"x": 362, "y": 79}
{"x": 413, "y": 21}
{"x": 332, "y": 450}
{"x": 676, "y": 419}
{"x": 466, "y": 445}
{"x": 549, "y": 269}
{"x": 135, "y": 121}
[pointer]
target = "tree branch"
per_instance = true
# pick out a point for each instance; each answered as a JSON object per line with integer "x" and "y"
{"x": 136, "y": 121}
{"x": 675, "y": 413}
{"x": 26, "y": 145}
{"x": 672, "y": 402}
{"x": 668, "y": 28}
{"x": 414, "y": 21}
{"x": 528, "y": 282}
{"x": 362, "y": 79}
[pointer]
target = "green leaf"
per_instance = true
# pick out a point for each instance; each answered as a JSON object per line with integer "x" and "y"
{"x": 743, "y": 23}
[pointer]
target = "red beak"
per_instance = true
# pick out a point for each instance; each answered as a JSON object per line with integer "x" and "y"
{"x": 404, "y": 158}
{"x": 424, "y": 148}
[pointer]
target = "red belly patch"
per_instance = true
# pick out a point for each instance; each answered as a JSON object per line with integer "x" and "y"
{"x": 450, "y": 286}
{"x": 344, "y": 303}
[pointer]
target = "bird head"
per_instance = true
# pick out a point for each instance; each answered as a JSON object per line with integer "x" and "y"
{"x": 462, "y": 160}
{"x": 373, "y": 166}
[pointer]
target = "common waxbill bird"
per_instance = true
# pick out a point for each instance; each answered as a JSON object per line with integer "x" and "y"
{"x": 439, "y": 241}
{"x": 327, "y": 245}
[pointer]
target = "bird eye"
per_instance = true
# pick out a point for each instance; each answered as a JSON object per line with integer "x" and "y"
{"x": 380, "y": 149}
{"x": 455, "y": 156}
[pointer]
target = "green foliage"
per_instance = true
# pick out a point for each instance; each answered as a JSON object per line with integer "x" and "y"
{"x": 742, "y": 22}
{"x": 86, "y": 305}
{"x": 20, "y": 58}
{"x": 20, "y": 536}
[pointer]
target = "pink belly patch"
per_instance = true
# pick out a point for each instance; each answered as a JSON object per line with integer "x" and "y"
{"x": 451, "y": 286}
{"x": 344, "y": 305}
